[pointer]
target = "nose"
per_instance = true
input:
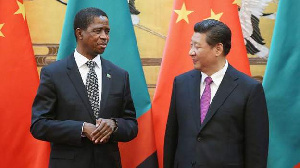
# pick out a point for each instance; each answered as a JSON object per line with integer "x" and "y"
{"x": 103, "y": 35}
{"x": 192, "y": 52}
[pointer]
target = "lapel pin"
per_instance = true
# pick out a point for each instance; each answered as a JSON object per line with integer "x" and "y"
{"x": 108, "y": 76}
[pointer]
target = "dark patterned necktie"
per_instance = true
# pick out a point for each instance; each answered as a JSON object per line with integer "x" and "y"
{"x": 205, "y": 98}
{"x": 92, "y": 88}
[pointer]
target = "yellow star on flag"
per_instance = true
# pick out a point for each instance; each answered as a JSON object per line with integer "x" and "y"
{"x": 21, "y": 9}
{"x": 183, "y": 14}
{"x": 237, "y": 2}
{"x": 1, "y": 34}
{"x": 215, "y": 16}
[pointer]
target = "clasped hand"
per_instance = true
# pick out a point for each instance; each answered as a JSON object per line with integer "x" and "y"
{"x": 99, "y": 133}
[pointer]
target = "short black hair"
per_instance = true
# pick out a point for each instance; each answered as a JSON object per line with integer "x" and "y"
{"x": 85, "y": 17}
{"x": 216, "y": 32}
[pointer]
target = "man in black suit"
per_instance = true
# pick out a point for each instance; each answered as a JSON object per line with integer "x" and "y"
{"x": 83, "y": 105}
{"x": 218, "y": 115}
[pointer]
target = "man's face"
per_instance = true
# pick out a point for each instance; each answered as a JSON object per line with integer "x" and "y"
{"x": 96, "y": 36}
{"x": 203, "y": 55}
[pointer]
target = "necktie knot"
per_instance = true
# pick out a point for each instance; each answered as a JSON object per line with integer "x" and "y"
{"x": 91, "y": 64}
{"x": 208, "y": 80}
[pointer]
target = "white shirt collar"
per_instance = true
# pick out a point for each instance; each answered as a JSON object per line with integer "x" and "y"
{"x": 217, "y": 77}
{"x": 81, "y": 60}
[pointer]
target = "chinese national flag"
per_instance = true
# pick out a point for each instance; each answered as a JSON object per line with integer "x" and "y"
{"x": 19, "y": 82}
{"x": 176, "y": 59}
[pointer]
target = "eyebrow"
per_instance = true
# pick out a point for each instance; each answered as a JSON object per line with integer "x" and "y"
{"x": 95, "y": 28}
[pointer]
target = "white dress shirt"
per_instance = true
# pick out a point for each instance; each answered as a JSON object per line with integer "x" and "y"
{"x": 217, "y": 79}
{"x": 83, "y": 69}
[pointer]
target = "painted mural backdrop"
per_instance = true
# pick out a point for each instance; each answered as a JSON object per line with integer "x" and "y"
{"x": 151, "y": 20}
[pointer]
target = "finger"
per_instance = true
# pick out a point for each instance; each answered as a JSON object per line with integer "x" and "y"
{"x": 105, "y": 138}
{"x": 99, "y": 128}
{"x": 96, "y": 133}
{"x": 105, "y": 134}
{"x": 96, "y": 136}
{"x": 105, "y": 125}
{"x": 109, "y": 123}
{"x": 98, "y": 122}
{"x": 104, "y": 141}
{"x": 100, "y": 133}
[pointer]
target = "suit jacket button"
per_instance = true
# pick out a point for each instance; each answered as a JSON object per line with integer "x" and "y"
{"x": 199, "y": 138}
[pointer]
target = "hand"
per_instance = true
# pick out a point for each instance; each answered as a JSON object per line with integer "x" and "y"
{"x": 88, "y": 128}
{"x": 104, "y": 128}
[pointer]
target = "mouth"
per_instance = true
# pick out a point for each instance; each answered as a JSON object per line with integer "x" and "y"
{"x": 102, "y": 45}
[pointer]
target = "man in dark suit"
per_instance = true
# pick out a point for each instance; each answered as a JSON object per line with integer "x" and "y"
{"x": 218, "y": 115}
{"x": 83, "y": 105}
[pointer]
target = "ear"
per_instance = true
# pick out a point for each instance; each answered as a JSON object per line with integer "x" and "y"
{"x": 218, "y": 49}
{"x": 78, "y": 33}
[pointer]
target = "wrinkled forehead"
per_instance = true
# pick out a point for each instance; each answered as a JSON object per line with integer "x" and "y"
{"x": 100, "y": 20}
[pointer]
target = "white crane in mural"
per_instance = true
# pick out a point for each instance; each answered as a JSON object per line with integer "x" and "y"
{"x": 250, "y": 12}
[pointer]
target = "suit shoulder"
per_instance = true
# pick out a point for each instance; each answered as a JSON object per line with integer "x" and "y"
{"x": 56, "y": 66}
{"x": 187, "y": 74}
{"x": 245, "y": 79}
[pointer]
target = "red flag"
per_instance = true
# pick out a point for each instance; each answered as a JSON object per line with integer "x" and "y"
{"x": 19, "y": 82}
{"x": 176, "y": 59}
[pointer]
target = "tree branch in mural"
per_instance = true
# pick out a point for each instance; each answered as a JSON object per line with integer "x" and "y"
{"x": 250, "y": 13}
{"x": 63, "y": 1}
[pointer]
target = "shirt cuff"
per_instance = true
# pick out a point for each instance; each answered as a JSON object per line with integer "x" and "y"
{"x": 82, "y": 135}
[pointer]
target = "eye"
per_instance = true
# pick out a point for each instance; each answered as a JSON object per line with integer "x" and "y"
{"x": 97, "y": 31}
{"x": 197, "y": 46}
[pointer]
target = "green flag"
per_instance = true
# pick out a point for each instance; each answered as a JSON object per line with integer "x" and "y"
{"x": 121, "y": 50}
{"x": 281, "y": 84}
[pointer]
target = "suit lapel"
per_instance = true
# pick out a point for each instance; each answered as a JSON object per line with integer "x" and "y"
{"x": 226, "y": 87}
{"x": 194, "y": 91}
{"x": 106, "y": 82}
{"x": 73, "y": 72}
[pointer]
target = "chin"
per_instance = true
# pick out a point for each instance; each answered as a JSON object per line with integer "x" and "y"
{"x": 99, "y": 52}
{"x": 197, "y": 67}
